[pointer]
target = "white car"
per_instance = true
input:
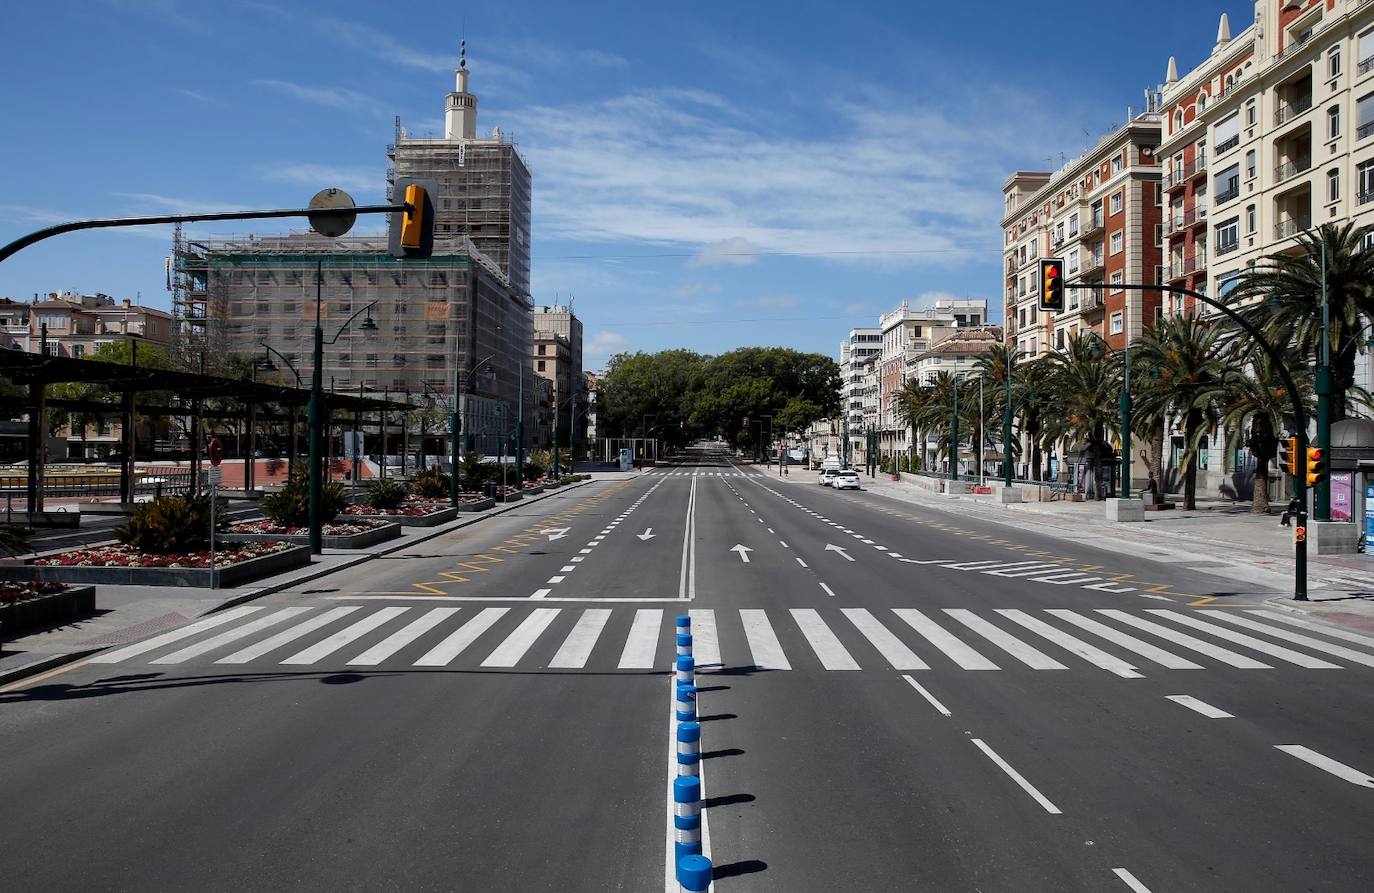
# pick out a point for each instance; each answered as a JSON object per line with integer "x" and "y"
{"x": 827, "y": 475}
{"x": 846, "y": 480}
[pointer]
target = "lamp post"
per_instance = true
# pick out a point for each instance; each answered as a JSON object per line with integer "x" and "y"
{"x": 520, "y": 429}
{"x": 455, "y": 425}
{"x": 1126, "y": 407}
{"x": 954, "y": 433}
{"x": 315, "y": 414}
{"x": 1007, "y": 419}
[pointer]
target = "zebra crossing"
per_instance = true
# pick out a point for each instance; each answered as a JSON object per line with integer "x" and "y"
{"x": 1127, "y": 644}
{"x": 663, "y": 472}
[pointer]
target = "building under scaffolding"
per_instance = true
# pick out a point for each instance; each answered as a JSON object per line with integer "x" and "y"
{"x": 453, "y": 309}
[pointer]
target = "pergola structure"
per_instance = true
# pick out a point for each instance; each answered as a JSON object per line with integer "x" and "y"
{"x": 36, "y": 371}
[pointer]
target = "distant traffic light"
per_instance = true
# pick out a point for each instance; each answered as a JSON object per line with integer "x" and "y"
{"x": 1288, "y": 455}
{"x": 1052, "y": 284}
{"x": 1316, "y": 466}
{"x": 412, "y": 230}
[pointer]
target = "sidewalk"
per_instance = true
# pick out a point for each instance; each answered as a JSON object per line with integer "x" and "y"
{"x": 128, "y": 613}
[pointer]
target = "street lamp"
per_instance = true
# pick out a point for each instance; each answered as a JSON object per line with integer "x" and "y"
{"x": 315, "y": 414}
{"x": 456, "y": 421}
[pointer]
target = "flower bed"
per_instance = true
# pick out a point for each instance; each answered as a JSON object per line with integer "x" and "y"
{"x": 412, "y": 514}
{"x": 235, "y": 563}
{"x": 25, "y": 604}
{"x": 507, "y": 494}
{"x": 476, "y": 504}
{"x": 357, "y": 534}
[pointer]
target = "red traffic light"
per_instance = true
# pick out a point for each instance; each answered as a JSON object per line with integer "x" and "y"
{"x": 1052, "y": 272}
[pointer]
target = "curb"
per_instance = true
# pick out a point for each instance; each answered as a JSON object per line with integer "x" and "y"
{"x": 58, "y": 660}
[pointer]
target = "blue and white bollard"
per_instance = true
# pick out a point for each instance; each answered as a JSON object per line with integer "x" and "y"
{"x": 686, "y": 818}
{"x": 684, "y": 644}
{"x": 686, "y": 670}
{"x": 694, "y": 874}
{"x": 686, "y": 703}
{"x": 688, "y": 748}
{"x": 684, "y": 624}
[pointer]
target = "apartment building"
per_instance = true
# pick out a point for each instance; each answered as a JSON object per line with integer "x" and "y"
{"x": 557, "y": 328}
{"x": 73, "y": 325}
{"x": 857, "y": 347}
{"x": 551, "y": 358}
{"x": 1102, "y": 214}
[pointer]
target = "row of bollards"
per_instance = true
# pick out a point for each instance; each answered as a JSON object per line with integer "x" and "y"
{"x": 693, "y": 868}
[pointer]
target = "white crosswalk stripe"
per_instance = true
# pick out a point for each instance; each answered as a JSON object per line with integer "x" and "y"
{"x": 808, "y": 639}
{"x": 1334, "y": 632}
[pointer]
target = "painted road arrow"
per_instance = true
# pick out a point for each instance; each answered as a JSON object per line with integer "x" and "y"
{"x": 556, "y": 533}
{"x": 840, "y": 549}
{"x": 648, "y": 534}
{"x": 743, "y": 552}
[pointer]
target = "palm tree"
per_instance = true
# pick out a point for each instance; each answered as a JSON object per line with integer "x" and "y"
{"x": 994, "y": 367}
{"x": 1185, "y": 352}
{"x": 1086, "y": 383}
{"x": 929, "y": 408}
{"x": 1256, "y": 397}
{"x": 1283, "y": 296}
{"x": 1032, "y": 392}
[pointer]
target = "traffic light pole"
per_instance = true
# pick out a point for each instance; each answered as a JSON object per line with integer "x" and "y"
{"x": 1007, "y": 419}
{"x": 1299, "y": 416}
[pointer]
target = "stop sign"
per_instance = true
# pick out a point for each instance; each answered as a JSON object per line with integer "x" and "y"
{"x": 215, "y": 450}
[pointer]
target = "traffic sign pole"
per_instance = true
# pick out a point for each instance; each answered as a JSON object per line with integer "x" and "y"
{"x": 214, "y": 451}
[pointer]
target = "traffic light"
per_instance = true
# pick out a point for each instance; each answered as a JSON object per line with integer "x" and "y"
{"x": 1052, "y": 284}
{"x": 1316, "y": 466}
{"x": 412, "y": 230}
{"x": 1288, "y": 455}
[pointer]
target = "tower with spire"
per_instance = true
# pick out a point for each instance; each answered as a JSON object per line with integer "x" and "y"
{"x": 460, "y": 108}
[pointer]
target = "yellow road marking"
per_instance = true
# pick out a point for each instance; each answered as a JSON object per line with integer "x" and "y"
{"x": 41, "y": 676}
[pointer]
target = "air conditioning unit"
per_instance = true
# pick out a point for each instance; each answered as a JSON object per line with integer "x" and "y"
{"x": 1201, "y": 213}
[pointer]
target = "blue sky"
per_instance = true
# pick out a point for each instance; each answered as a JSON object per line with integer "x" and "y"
{"x": 705, "y": 176}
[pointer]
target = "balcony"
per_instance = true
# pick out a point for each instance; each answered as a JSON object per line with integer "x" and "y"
{"x": 1090, "y": 300}
{"x": 1366, "y": 65}
{"x": 1185, "y": 266}
{"x": 1180, "y": 174}
{"x": 1364, "y": 197}
{"x": 1364, "y": 130}
{"x": 1184, "y": 219}
{"x": 1225, "y": 248}
{"x": 1294, "y": 47}
{"x": 1093, "y": 264}
{"x": 1290, "y": 169}
{"x": 1226, "y": 145}
{"x": 1227, "y": 195}
{"x": 1094, "y": 224}
{"x": 1286, "y": 229}
{"x": 1291, "y": 110}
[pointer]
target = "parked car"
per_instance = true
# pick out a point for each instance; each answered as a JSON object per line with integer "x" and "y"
{"x": 827, "y": 475}
{"x": 846, "y": 480}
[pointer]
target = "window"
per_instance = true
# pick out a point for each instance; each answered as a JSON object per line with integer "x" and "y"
{"x": 541, "y": 365}
{"x": 1333, "y": 62}
{"x": 1226, "y": 282}
{"x": 543, "y": 348}
{"x": 1117, "y": 199}
{"x": 1333, "y": 185}
{"x": 1058, "y": 233}
{"x": 1073, "y": 226}
{"x": 1228, "y": 236}
{"x": 1227, "y": 184}
{"x": 1059, "y": 339}
{"x": 1116, "y": 279}
{"x": 1116, "y": 165}
{"x": 1249, "y": 218}
{"x": 78, "y": 350}
{"x": 1364, "y": 116}
{"x": 1365, "y": 175}
{"x": 1367, "y": 241}
{"x": 1178, "y": 120}
{"x": 1250, "y": 165}
{"x": 1021, "y": 317}
{"x": 1117, "y": 324}
{"x": 1333, "y": 122}
{"x": 51, "y": 321}
{"x": 1159, "y": 235}
{"x": 1117, "y": 242}
{"x": 1366, "y": 51}
{"x": 52, "y": 349}
{"x": 1227, "y": 133}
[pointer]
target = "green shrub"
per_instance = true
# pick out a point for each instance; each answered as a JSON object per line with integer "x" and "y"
{"x": 14, "y": 540}
{"x": 172, "y": 524}
{"x": 385, "y": 495}
{"x": 290, "y": 506}
{"x": 472, "y": 472}
{"x": 432, "y": 484}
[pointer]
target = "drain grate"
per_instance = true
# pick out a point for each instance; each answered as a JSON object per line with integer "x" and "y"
{"x": 138, "y": 630}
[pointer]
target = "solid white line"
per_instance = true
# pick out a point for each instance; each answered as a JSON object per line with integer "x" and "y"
{"x": 442, "y": 655}
{"x": 232, "y": 635}
{"x": 287, "y": 635}
{"x": 1340, "y": 770}
{"x": 888, "y": 645}
{"x": 1286, "y": 654}
{"x": 764, "y": 648}
{"x": 825, "y": 643}
{"x": 928, "y": 696}
{"x": 350, "y": 633}
{"x": 522, "y": 638}
{"x": 828, "y": 591}
{"x": 540, "y": 593}
{"x": 1091, "y": 653}
{"x": 1130, "y": 643}
{"x": 1178, "y": 637}
{"x": 200, "y": 626}
{"x": 1130, "y": 880}
{"x": 1020, "y": 571}
{"x": 577, "y": 647}
{"x": 1031, "y": 657}
{"x": 705, "y": 640}
{"x": 403, "y": 637}
{"x": 642, "y": 642}
{"x": 1016, "y": 777}
{"x": 956, "y": 650}
{"x": 1349, "y": 654}
{"x": 1202, "y": 707}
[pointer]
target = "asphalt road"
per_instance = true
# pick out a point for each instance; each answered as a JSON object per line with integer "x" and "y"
{"x": 892, "y": 698}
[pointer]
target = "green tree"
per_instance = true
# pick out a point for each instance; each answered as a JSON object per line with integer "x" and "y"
{"x": 1282, "y": 295}
{"x": 1256, "y": 405}
{"x": 1086, "y": 382}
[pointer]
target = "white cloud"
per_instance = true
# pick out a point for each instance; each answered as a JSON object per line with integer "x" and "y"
{"x": 330, "y": 97}
{"x": 727, "y": 252}
{"x": 152, "y": 203}
{"x": 603, "y": 345}
{"x": 357, "y": 180}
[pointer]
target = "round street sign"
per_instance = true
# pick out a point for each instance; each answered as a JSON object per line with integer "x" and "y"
{"x": 332, "y": 225}
{"x": 215, "y": 450}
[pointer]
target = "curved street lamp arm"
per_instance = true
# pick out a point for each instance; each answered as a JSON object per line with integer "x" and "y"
{"x": 350, "y": 320}
{"x": 283, "y": 358}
